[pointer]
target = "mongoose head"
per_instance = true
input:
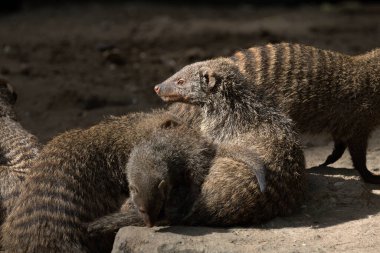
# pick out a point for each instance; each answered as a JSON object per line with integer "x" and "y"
{"x": 199, "y": 82}
{"x": 7, "y": 93}
{"x": 7, "y": 99}
{"x": 148, "y": 184}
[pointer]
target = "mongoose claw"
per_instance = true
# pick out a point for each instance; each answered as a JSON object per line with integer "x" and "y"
{"x": 260, "y": 175}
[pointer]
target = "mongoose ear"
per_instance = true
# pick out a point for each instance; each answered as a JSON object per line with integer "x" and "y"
{"x": 208, "y": 77}
{"x": 169, "y": 123}
{"x": 7, "y": 90}
{"x": 162, "y": 187}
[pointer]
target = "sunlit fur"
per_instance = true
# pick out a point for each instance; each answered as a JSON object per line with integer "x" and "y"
{"x": 78, "y": 176}
{"x": 320, "y": 90}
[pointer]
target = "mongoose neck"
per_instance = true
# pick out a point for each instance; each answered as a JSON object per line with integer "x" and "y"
{"x": 231, "y": 108}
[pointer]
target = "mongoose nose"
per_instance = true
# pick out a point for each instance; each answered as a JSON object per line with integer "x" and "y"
{"x": 157, "y": 89}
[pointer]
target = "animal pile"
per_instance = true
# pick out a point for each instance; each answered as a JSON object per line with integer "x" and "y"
{"x": 225, "y": 154}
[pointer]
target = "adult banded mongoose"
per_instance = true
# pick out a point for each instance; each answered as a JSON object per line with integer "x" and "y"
{"x": 320, "y": 90}
{"x": 179, "y": 177}
{"x": 78, "y": 176}
{"x": 232, "y": 114}
{"x": 18, "y": 148}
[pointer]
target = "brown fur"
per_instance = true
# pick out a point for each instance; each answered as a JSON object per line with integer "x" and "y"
{"x": 203, "y": 185}
{"x": 320, "y": 90}
{"x": 233, "y": 115}
{"x": 18, "y": 148}
{"x": 77, "y": 177}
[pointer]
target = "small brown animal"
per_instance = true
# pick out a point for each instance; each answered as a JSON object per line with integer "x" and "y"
{"x": 18, "y": 148}
{"x": 233, "y": 114}
{"x": 178, "y": 177}
{"x": 78, "y": 176}
{"x": 319, "y": 89}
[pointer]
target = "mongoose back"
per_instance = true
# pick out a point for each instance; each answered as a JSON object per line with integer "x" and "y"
{"x": 78, "y": 176}
{"x": 178, "y": 177}
{"x": 18, "y": 148}
{"x": 320, "y": 90}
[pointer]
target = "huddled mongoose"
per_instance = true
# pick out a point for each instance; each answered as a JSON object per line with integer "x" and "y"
{"x": 179, "y": 177}
{"x": 320, "y": 90}
{"x": 77, "y": 177}
{"x": 18, "y": 148}
{"x": 233, "y": 114}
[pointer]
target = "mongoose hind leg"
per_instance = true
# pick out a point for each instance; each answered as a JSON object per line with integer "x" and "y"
{"x": 339, "y": 148}
{"x": 358, "y": 148}
{"x": 113, "y": 222}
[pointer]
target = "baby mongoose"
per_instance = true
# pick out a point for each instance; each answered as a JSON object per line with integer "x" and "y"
{"x": 178, "y": 177}
{"x": 78, "y": 176}
{"x": 319, "y": 89}
{"x": 18, "y": 148}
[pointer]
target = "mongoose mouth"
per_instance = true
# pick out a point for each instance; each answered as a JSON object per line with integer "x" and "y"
{"x": 171, "y": 98}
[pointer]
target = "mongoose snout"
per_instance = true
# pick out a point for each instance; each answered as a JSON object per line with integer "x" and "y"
{"x": 168, "y": 92}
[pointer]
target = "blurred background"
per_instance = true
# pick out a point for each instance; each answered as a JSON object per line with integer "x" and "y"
{"x": 75, "y": 62}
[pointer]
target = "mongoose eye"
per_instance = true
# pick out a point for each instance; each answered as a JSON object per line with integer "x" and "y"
{"x": 180, "y": 81}
{"x": 141, "y": 210}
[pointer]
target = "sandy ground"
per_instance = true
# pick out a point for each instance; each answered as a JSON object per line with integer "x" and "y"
{"x": 74, "y": 65}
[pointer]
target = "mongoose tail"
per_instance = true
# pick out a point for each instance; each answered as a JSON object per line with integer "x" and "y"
{"x": 310, "y": 85}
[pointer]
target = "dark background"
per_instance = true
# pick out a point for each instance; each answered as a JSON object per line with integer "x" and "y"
{"x": 73, "y": 64}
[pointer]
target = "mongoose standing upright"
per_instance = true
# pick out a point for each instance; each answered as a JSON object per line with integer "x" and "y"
{"x": 179, "y": 177}
{"x": 18, "y": 148}
{"x": 320, "y": 90}
{"x": 77, "y": 177}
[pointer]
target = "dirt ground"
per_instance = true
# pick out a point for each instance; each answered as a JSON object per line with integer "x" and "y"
{"x": 73, "y": 65}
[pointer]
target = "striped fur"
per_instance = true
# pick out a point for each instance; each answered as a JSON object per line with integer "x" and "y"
{"x": 18, "y": 148}
{"x": 77, "y": 177}
{"x": 209, "y": 188}
{"x": 319, "y": 89}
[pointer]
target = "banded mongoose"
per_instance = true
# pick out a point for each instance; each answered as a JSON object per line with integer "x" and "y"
{"x": 18, "y": 148}
{"x": 320, "y": 90}
{"x": 77, "y": 177}
{"x": 178, "y": 177}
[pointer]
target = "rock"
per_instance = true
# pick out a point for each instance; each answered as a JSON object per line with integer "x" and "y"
{"x": 175, "y": 239}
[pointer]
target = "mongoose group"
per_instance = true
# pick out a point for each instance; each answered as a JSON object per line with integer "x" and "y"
{"x": 229, "y": 155}
{"x": 179, "y": 177}
{"x": 319, "y": 89}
